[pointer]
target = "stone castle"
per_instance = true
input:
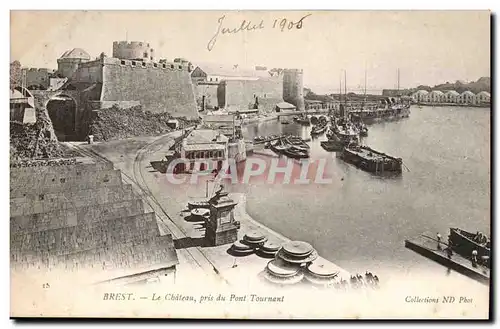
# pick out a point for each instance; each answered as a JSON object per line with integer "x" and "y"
{"x": 134, "y": 76}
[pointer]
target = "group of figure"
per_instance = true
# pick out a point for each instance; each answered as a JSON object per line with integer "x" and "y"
{"x": 358, "y": 281}
{"x": 481, "y": 238}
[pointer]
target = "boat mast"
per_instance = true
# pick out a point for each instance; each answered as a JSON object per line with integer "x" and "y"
{"x": 345, "y": 92}
{"x": 364, "y": 100}
{"x": 398, "y": 81}
{"x": 340, "y": 89}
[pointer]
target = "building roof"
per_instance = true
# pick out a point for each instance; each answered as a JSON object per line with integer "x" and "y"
{"x": 421, "y": 91}
{"x": 468, "y": 92}
{"x": 17, "y": 97}
{"x": 439, "y": 92}
{"x": 285, "y": 105}
{"x": 16, "y": 94}
{"x": 452, "y": 92}
{"x": 225, "y": 70}
{"x": 76, "y": 53}
{"x": 204, "y": 147}
{"x": 205, "y": 136}
{"x": 484, "y": 93}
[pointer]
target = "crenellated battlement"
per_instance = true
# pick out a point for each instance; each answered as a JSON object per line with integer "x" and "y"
{"x": 34, "y": 69}
{"x": 130, "y": 44}
{"x": 133, "y": 50}
{"x": 293, "y": 71}
{"x": 140, "y": 64}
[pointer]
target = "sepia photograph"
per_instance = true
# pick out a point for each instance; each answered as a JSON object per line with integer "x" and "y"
{"x": 250, "y": 164}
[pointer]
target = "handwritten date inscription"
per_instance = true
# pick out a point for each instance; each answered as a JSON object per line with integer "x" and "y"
{"x": 282, "y": 24}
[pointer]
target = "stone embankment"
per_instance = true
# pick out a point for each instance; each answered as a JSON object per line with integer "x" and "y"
{"x": 80, "y": 217}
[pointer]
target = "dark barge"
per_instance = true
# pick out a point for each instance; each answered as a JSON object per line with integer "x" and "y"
{"x": 370, "y": 160}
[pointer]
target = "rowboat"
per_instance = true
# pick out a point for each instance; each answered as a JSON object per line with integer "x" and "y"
{"x": 318, "y": 129}
{"x": 464, "y": 243}
{"x": 293, "y": 152}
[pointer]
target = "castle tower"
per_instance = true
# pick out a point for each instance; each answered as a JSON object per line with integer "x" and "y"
{"x": 68, "y": 63}
{"x": 133, "y": 50}
{"x": 293, "y": 88}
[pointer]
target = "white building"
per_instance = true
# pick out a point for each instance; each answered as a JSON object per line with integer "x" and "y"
{"x": 207, "y": 145}
{"x": 467, "y": 97}
{"x": 436, "y": 96}
{"x": 211, "y": 72}
{"x": 421, "y": 96}
{"x": 483, "y": 97}
{"x": 452, "y": 96}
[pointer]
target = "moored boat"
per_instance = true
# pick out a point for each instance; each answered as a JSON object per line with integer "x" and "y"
{"x": 370, "y": 160}
{"x": 332, "y": 146}
{"x": 303, "y": 120}
{"x": 464, "y": 243}
{"x": 318, "y": 129}
{"x": 296, "y": 153}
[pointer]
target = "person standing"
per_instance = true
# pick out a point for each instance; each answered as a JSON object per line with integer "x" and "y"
{"x": 474, "y": 258}
{"x": 438, "y": 236}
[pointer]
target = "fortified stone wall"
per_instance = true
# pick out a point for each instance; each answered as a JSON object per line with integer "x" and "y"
{"x": 241, "y": 93}
{"x": 53, "y": 181}
{"x": 37, "y": 77}
{"x": 75, "y": 216}
{"x": 41, "y": 203}
{"x": 210, "y": 92}
{"x": 158, "y": 87}
{"x": 89, "y": 72}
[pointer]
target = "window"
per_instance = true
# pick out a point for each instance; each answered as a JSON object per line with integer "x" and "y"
{"x": 122, "y": 62}
{"x": 210, "y": 79}
{"x": 155, "y": 65}
{"x": 180, "y": 67}
{"x": 164, "y": 66}
{"x": 145, "y": 55}
{"x": 143, "y": 64}
{"x": 151, "y": 58}
{"x": 133, "y": 63}
{"x": 172, "y": 66}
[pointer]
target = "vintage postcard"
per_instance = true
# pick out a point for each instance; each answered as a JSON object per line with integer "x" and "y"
{"x": 250, "y": 164}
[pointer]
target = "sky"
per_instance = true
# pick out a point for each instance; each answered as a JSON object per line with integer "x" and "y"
{"x": 428, "y": 47}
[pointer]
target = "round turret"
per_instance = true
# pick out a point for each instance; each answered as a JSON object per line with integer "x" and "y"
{"x": 133, "y": 50}
{"x": 68, "y": 63}
{"x": 293, "y": 88}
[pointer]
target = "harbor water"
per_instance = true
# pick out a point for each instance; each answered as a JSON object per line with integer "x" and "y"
{"x": 360, "y": 221}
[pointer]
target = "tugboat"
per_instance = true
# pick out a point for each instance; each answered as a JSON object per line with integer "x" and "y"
{"x": 344, "y": 131}
{"x": 370, "y": 160}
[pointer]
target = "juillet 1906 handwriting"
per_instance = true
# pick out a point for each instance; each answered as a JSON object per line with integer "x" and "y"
{"x": 282, "y": 24}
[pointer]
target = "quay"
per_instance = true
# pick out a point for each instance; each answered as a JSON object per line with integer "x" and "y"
{"x": 428, "y": 247}
{"x": 132, "y": 157}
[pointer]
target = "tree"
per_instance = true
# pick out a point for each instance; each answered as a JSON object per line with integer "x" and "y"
{"x": 15, "y": 74}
